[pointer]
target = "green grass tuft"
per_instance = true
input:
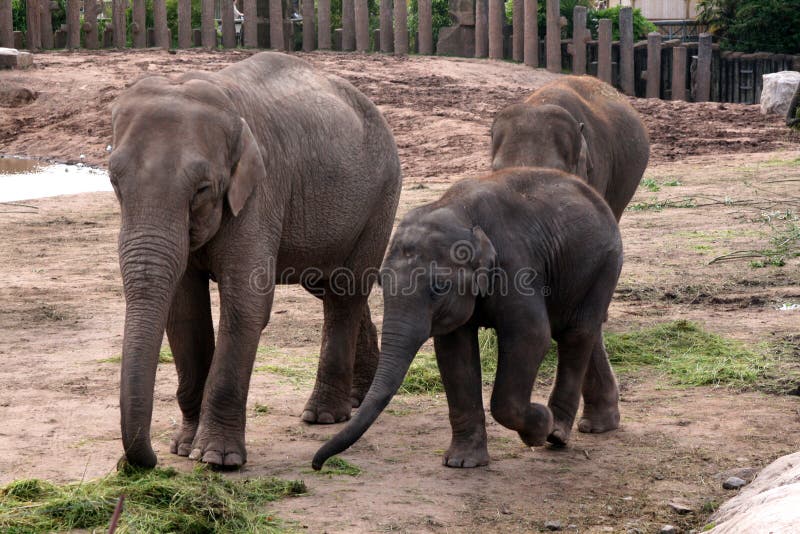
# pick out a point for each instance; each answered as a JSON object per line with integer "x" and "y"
{"x": 158, "y": 500}
{"x": 682, "y": 350}
{"x": 651, "y": 185}
{"x": 339, "y": 466}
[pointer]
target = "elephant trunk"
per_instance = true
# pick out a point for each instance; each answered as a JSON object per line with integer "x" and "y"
{"x": 151, "y": 266}
{"x": 400, "y": 341}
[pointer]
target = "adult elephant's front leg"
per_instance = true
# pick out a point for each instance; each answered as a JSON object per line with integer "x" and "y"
{"x": 330, "y": 402}
{"x": 244, "y": 313}
{"x": 191, "y": 337}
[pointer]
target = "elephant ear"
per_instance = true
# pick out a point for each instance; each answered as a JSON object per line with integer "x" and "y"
{"x": 584, "y": 159}
{"x": 247, "y": 171}
{"x": 484, "y": 260}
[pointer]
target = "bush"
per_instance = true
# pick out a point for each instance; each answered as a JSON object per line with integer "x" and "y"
{"x": 441, "y": 18}
{"x": 754, "y": 25}
{"x": 641, "y": 26}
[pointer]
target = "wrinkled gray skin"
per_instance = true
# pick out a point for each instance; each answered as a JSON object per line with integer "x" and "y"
{"x": 261, "y": 170}
{"x": 581, "y": 126}
{"x": 791, "y": 114}
{"x": 512, "y": 223}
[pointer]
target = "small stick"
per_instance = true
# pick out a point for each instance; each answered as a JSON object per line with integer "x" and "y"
{"x": 115, "y": 517}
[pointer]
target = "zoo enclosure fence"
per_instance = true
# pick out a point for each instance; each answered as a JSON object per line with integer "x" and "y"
{"x": 677, "y": 68}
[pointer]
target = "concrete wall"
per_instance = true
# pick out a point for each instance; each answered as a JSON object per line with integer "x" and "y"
{"x": 661, "y": 9}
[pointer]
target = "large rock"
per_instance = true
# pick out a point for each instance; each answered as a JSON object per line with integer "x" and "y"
{"x": 779, "y": 88}
{"x": 456, "y": 41}
{"x": 12, "y": 58}
{"x": 771, "y": 503}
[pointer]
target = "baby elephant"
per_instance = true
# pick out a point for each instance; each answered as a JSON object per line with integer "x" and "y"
{"x": 534, "y": 253}
{"x": 579, "y": 125}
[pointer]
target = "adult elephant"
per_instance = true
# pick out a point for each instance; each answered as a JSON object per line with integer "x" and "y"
{"x": 264, "y": 171}
{"x": 792, "y": 118}
{"x": 579, "y": 125}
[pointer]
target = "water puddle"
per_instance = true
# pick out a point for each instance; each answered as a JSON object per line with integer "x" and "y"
{"x": 25, "y": 179}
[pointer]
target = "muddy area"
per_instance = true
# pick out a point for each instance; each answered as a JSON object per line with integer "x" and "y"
{"x": 723, "y": 179}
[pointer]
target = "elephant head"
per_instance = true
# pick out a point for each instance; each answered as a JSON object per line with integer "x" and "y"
{"x": 183, "y": 160}
{"x": 545, "y": 135}
{"x": 437, "y": 264}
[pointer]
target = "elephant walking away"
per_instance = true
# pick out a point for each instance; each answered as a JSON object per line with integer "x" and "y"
{"x": 533, "y": 253}
{"x": 264, "y": 172}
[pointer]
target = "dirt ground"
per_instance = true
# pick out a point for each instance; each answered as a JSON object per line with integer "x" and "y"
{"x": 723, "y": 170}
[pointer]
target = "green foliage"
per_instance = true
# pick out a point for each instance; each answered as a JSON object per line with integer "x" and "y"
{"x": 158, "y": 500}
{"x": 753, "y": 25}
{"x": 374, "y": 15}
{"x": 641, "y": 26}
{"x": 339, "y": 466}
{"x": 682, "y": 350}
{"x": 172, "y": 17}
{"x": 19, "y": 14}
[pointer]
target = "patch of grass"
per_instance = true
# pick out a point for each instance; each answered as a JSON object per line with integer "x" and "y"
{"x": 672, "y": 183}
{"x": 651, "y": 185}
{"x": 682, "y": 350}
{"x": 158, "y": 500}
{"x": 261, "y": 409}
{"x": 295, "y": 375}
{"x": 339, "y": 466}
{"x": 660, "y": 205}
{"x": 164, "y": 356}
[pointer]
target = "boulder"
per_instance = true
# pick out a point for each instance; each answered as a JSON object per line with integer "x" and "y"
{"x": 456, "y": 41}
{"x": 11, "y": 58}
{"x": 778, "y": 90}
{"x": 771, "y": 503}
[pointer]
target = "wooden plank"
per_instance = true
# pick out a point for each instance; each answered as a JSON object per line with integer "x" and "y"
{"x": 531, "y": 39}
{"x": 276, "y": 25}
{"x": 553, "y": 36}
{"x": 425, "y": 17}
{"x": 518, "y": 26}
{"x": 579, "y": 31}
{"x": 91, "y": 35}
{"x": 496, "y": 18}
{"x": 6, "y": 25}
{"x": 208, "y": 24}
{"x": 626, "y": 66}
{"x": 324, "y": 24}
{"x": 33, "y": 39}
{"x": 481, "y": 28}
{"x": 604, "y": 28}
{"x": 185, "y": 22}
{"x": 387, "y": 35}
{"x": 704, "y": 69}
{"x": 160, "y": 22}
{"x": 138, "y": 27}
{"x": 679, "y": 54}
{"x": 348, "y": 25}
{"x": 309, "y": 31}
{"x": 361, "y": 17}
{"x": 118, "y": 9}
{"x": 400, "y": 28}
{"x": 653, "y": 65}
{"x": 46, "y": 23}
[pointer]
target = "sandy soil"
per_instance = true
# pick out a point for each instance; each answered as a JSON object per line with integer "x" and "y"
{"x": 61, "y": 315}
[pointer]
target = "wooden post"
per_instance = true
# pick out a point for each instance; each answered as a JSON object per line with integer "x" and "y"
{"x": 361, "y": 15}
{"x": 160, "y": 28}
{"x": 387, "y": 41}
{"x": 138, "y": 28}
{"x": 308, "y": 25}
{"x": 228, "y": 24}
{"x": 626, "y": 81}
{"x": 324, "y": 24}
{"x": 91, "y": 36}
{"x": 679, "y": 73}
{"x": 400, "y": 28}
{"x": 496, "y": 17}
{"x": 604, "y": 50}
{"x": 46, "y": 23}
{"x": 185, "y": 22}
{"x": 73, "y": 24}
{"x": 276, "y": 24}
{"x": 6, "y": 25}
{"x": 653, "y": 65}
{"x": 531, "y": 39}
{"x": 425, "y": 17}
{"x": 481, "y": 28}
{"x": 118, "y": 20}
{"x": 703, "y": 73}
{"x": 518, "y": 27}
{"x": 579, "y": 40}
{"x": 33, "y": 34}
{"x": 348, "y": 25}
{"x": 553, "y": 36}
{"x": 208, "y": 24}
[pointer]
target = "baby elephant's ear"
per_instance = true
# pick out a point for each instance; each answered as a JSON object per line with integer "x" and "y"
{"x": 485, "y": 257}
{"x": 248, "y": 170}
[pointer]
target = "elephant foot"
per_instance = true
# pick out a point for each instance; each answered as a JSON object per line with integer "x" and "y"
{"x": 560, "y": 435}
{"x": 326, "y": 409}
{"x": 467, "y": 453}
{"x": 596, "y": 420}
{"x": 217, "y": 451}
{"x": 536, "y": 433}
{"x": 181, "y": 443}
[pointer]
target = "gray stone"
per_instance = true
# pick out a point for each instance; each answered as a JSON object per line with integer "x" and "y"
{"x": 779, "y": 88}
{"x": 553, "y": 525}
{"x": 11, "y": 58}
{"x": 456, "y": 41}
{"x": 733, "y": 483}
{"x": 668, "y": 529}
{"x": 462, "y": 11}
{"x": 680, "y": 507}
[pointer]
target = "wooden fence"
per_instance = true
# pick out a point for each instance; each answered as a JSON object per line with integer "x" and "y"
{"x": 653, "y": 68}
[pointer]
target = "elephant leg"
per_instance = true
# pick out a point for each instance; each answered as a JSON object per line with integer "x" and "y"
{"x": 574, "y": 352}
{"x": 330, "y": 401}
{"x": 458, "y": 356}
{"x": 522, "y": 346}
{"x": 190, "y": 331}
{"x": 600, "y": 394}
{"x": 243, "y": 315}
{"x": 367, "y": 351}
